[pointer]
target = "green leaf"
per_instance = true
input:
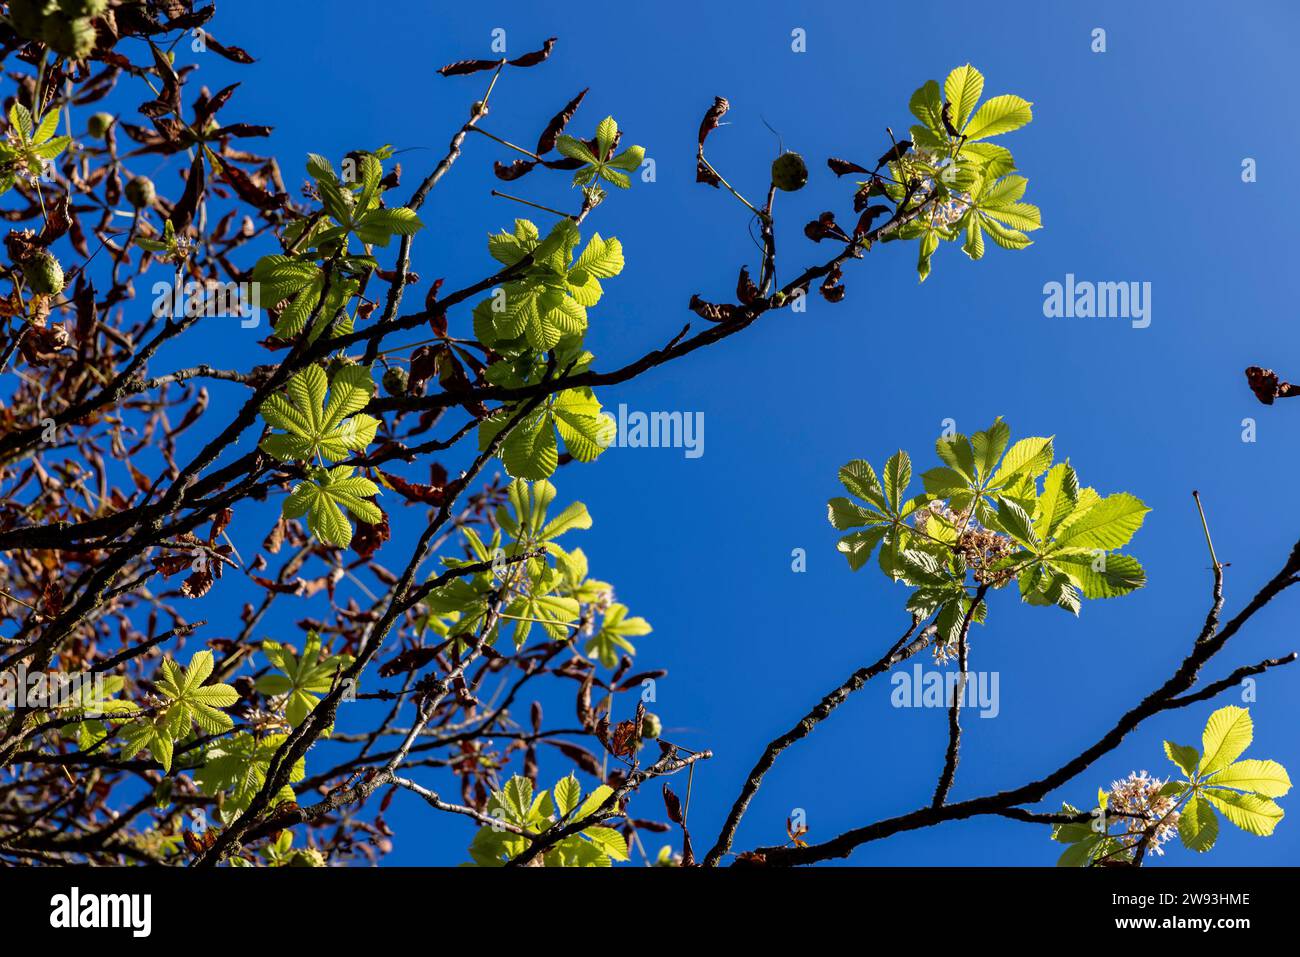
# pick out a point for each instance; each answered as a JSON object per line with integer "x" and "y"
{"x": 927, "y": 106}
{"x": 315, "y": 431}
{"x": 1198, "y": 825}
{"x": 1108, "y": 524}
{"x": 858, "y": 546}
{"x": 613, "y": 634}
{"x": 1183, "y": 755}
{"x": 1001, "y": 114}
{"x": 322, "y": 498}
{"x": 1079, "y": 854}
{"x": 608, "y": 840}
{"x": 1250, "y": 812}
{"x": 594, "y": 800}
{"x": 860, "y": 479}
{"x": 963, "y": 89}
{"x": 1060, "y": 495}
{"x": 378, "y": 226}
{"x": 1267, "y": 778}
{"x": 568, "y": 792}
{"x": 1228, "y": 732}
{"x": 1117, "y": 575}
{"x": 898, "y": 473}
{"x": 530, "y": 451}
{"x": 1030, "y": 456}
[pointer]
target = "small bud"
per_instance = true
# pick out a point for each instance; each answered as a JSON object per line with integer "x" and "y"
{"x": 789, "y": 172}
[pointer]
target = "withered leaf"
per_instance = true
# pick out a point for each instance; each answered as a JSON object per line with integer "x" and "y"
{"x": 515, "y": 170}
{"x": 824, "y": 227}
{"x": 234, "y": 54}
{"x": 463, "y": 67}
{"x": 895, "y": 152}
{"x": 713, "y": 312}
{"x": 746, "y": 288}
{"x": 546, "y": 142}
{"x": 370, "y": 537}
{"x": 412, "y": 659}
{"x": 413, "y": 491}
{"x": 625, "y": 738}
{"x": 195, "y": 183}
{"x": 842, "y": 167}
{"x": 536, "y": 56}
{"x": 703, "y": 171}
{"x": 867, "y": 218}
{"x": 1268, "y": 387}
{"x": 672, "y": 804}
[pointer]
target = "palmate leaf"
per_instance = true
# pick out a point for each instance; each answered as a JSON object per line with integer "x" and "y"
{"x": 187, "y": 701}
{"x": 324, "y": 495}
{"x": 317, "y": 426}
{"x": 237, "y": 767}
{"x": 528, "y": 519}
{"x": 611, "y": 639}
{"x": 600, "y": 165}
{"x": 547, "y": 302}
{"x": 531, "y": 450}
{"x": 1061, "y": 538}
{"x": 541, "y": 605}
{"x": 300, "y": 679}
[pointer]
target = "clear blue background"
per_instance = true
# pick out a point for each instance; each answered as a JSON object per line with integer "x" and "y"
{"x": 1134, "y": 156}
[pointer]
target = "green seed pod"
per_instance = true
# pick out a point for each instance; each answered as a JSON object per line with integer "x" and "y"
{"x": 83, "y": 8}
{"x": 98, "y": 124}
{"x": 140, "y": 192}
{"x": 395, "y": 381}
{"x": 789, "y": 172}
{"x": 651, "y": 725}
{"x": 73, "y": 38}
{"x": 43, "y": 273}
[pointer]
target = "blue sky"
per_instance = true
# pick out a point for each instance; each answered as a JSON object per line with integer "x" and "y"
{"x": 1134, "y": 156}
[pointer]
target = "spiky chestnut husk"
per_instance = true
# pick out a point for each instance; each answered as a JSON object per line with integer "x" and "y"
{"x": 396, "y": 381}
{"x": 651, "y": 726}
{"x": 43, "y": 273}
{"x": 72, "y": 38}
{"x": 337, "y": 364}
{"x": 83, "y": 8}
{"x": 98, "y": 124}
{"x": 305, "y": 857}
{"x": 140, "y": 192}
{"x": 789, "y": 172}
